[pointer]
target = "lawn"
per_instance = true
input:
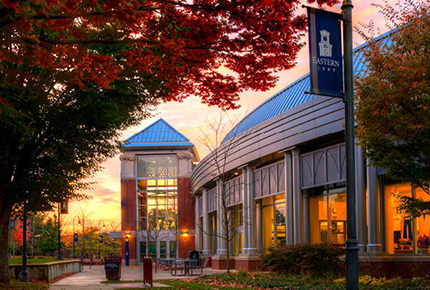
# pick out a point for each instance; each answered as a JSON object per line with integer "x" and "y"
{"x": 32, "y": 261}
{"x": 247, "y": 280}
{"x": 17, "y": 285}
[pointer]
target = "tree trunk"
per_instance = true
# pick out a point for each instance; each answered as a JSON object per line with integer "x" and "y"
{"x": 5, "y": 210}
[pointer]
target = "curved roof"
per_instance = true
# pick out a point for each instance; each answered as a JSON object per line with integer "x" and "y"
{"x": 293, "y": 95}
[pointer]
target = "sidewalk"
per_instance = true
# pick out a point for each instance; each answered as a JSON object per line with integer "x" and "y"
{"x": 90, "y": 279}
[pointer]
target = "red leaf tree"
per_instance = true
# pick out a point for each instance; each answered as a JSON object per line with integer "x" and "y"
{"x": 74, "y": 73}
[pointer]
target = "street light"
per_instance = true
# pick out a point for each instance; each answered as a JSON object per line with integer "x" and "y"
{"x": 101, "y": 237}
{"x": 74, "y": 239}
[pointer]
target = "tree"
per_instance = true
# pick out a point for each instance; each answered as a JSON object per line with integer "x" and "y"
{"x": 221, "y": 137}
{"x": 48, "y": 242}
{"x": 393, "y": 101}
{"x": 74, "y": 73}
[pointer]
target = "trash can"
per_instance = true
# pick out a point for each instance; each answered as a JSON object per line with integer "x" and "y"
{"x": 113, "y": 267}
{"x": 147, "y": 271}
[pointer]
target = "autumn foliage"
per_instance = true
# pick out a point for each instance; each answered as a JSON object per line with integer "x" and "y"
{"x": 393, "y": 100}
{"x": 181, "y": 44}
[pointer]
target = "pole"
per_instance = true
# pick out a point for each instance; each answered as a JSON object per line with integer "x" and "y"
{"x": 59, "y": 256}
{"x": 352, "y": 242}
{"x": 24, "y": 275}
{"x": 73, "y": 237}
{"x": 9, "y": 233}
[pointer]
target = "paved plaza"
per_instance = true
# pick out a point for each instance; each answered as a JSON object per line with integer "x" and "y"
{"x": 90, "y": 278}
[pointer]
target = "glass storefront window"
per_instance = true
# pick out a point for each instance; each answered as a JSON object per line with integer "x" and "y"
{"x": 318, "y": 219}
{"x": 327, "y": 218}
{"x": 162, "y": 249}
{"x": 398, "y": 225}
{"x": 403, "y": 234}
{"x": 273, "y": 218}
{"x": 157, "y": 192}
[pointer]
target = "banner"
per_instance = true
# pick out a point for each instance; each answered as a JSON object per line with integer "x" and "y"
{"x": 325, "y": 50}
{"x": 64, "y": 207}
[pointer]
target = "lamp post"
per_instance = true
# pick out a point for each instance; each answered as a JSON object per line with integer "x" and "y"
{"x": 352, "y": 242}
{"x": 74, "y": 239}
{"x": 59, "y": 255}
{"x": 127, "y": 261}
{"x": 101, "y": 237}
{"x": 24, "y": 274}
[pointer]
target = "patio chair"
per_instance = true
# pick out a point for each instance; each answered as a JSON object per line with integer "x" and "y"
{"x": 202, "y": 265}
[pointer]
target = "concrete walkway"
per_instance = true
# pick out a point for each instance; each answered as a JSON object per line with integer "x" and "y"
{"x": 90, "y": 279}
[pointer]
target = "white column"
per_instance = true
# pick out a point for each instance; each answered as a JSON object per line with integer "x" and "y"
{"x": 245, "y": 205}
{"x": 360, "y": 189}
{"x": 197, "y": 225}
{"x": 221, "y": 227}
{"x": 289, "y": 222}
{"x": 258, "y": 222}
{"x": 297, "y": 196}
{"x": 306, "y": 225}
{"x": 373, "y": 245}
{"x": 206, "y": 237}
{"x": 252, "y": 250}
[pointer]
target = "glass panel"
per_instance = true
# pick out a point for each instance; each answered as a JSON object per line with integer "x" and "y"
{"x": 152, "y": 184}
{"x": 280, "y": 215}
{"x": 162, "y": 166}
{"x": 153, "y": 250}
{"x": 337, "y": 218}
{"x": 318, "y": 219}
{"x": 422, "y": 225}
{"x": 162, "y": 249}
{"x": 172, "y": 166}
{"x": 172, "y": 249}
{"x": 151, "y": 166}
{"x": 268, "y": 229}
{"x": 398, "y": 225}
{"x": 142, "y": 185}
{"x": 142, "y": 249}
{"x": 141, "y": 166}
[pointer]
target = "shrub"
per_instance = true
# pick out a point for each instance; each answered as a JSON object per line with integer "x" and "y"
{"x": 319, "y": 259}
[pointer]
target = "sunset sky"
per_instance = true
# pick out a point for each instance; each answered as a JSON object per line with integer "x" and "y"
{"x": 188, "y": 116}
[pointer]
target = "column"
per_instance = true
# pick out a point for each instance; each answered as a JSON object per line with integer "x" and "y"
{"x": 360, "y": 189}
{"x": 221, "y": 229}
{"x": 306, "y": 225}
{"x": 297, "y": 196}
{"x": 206, "y": 237}
{"x": 198, "y": 225}
{"x": 373, "y": 245}
{"x": 289, "y": 231}
{"x": 252, "y": 250}
{"x": 245, "y": 206}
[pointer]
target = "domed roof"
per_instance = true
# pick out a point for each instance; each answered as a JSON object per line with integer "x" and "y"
{"x": 294, "y": 95}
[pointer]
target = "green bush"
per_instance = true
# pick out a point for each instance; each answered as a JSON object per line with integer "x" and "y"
{"x": 319, "y": 259}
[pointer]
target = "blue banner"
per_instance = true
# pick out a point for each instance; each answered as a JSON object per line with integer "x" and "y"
{"x": 325, "y": 50}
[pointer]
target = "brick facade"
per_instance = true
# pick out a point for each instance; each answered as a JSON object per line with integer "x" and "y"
{"x": 186, "y": 220}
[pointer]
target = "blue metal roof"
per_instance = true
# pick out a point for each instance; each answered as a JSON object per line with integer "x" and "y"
{"x": 160, "y": 134}
{"x": 294, "y": 95}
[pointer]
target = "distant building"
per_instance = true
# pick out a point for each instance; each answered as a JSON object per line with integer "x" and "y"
{"x": 157, "y": 209}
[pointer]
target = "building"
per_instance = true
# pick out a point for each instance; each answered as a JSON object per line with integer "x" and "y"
{"x": 284, "y": 177}
{"x": 157, "y": 209}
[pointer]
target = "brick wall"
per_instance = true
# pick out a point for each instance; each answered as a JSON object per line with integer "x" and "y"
{"x": 186, "y": 219}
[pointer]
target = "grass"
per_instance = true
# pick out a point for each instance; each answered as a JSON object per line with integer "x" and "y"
{"x": 260, "y": 280}
{"x": 17, "y": 285}
{"x": 32, "y": 261}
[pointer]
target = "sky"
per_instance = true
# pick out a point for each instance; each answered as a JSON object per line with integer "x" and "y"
{"x": 105, "y": 207}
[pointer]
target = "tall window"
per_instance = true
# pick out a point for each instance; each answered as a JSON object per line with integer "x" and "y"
{"x": 274, "y": 215}
{"x": 327, "y": 215}
{"x": 157, "y": 190}
{"x": 404, "y": 234}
